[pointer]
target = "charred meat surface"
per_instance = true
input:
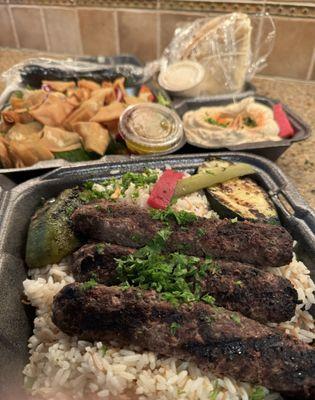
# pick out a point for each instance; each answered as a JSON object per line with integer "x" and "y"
{"x": 259, "y": 244}
{"x": 224, "y": 341}
{"x": 257, "y": 294}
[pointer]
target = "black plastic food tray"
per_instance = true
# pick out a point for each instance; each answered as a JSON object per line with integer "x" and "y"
{"x": 269, "y": 149}
{"x": 33, "y": 74}
{"x": 18, "y": 205}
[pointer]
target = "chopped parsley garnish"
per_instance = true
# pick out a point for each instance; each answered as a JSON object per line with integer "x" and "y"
{"x": 174, "y": 327}
{"x": 201, "y": 232}
{"x": 216, "y": 123}
{"x": 258, "y": 393}
{"x": 100, "y": 247}
{"x": 208, "y": 319}
{"x": 69, "y": 210}
{"x": 235, "y": 317}
{"x": 103, "y": 350}
{"x": 214, "y": 393}
{"x": 234, "y": 220}
{"x": 112, "y": 188}
{"x": 251, "y": 123}
{"x": 89, "y": 284}
{"x": 138, "y": 179}
{"x": 238, "y": 283}
{"x": 180, "y": 217}
{"x": 208, "y": 299}
{"x": 175, "y": 276}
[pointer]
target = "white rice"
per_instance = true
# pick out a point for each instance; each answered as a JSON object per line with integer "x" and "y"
{"x": 64, "y": 368}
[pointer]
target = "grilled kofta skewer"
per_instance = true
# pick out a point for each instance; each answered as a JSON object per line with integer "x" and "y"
{"x": 258, "y": 244}
{"x": 255, "y": 293}
{"x": 225, "y": 342}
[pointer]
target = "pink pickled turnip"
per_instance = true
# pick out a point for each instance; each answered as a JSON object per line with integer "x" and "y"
{"x": 163, "y": 190}
{"x": 286, "y": 129}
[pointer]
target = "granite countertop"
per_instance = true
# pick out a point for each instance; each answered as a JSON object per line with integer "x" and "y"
{"x": 298, "y": 162}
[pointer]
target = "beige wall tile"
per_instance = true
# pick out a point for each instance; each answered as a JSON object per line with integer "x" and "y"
{"x": 6, "y": 31}
{"x": 293, "y": 48}
{"x": 138, "y": 33}
{"x": 170, "y": 21}
{"x": 98, "y": 31}
{"x": 62, "y": 30}
{"x": 29, "y": 27}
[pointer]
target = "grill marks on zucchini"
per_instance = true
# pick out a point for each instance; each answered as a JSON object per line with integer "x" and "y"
{"x": 239, "y": 197}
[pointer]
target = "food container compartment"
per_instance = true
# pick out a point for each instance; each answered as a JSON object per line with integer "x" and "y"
{"x": 18, "y": 205}
{"x": 269, "y": 149}
{"x": 33, "y": 75}
{"x": 248, "y": 90}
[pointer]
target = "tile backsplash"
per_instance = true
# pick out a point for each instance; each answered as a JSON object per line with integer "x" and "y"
{"x": 145, "y": 27}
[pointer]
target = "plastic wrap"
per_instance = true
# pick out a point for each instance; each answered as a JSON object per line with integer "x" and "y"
{"x": 231, "y": 48}
{"x": 33, "y": 71}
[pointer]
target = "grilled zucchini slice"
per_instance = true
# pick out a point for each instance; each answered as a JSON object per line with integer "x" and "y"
{"x": 239, "y": 197}
{"x": 50, "y": 237}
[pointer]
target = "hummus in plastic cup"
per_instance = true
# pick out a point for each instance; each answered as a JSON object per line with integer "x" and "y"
{"x": 149, "y": 128}
{"x": 182, "y": 78}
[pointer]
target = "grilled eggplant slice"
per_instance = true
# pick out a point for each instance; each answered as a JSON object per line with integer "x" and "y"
{"x": 239, "y": 197}
{"x": 50, "y": 237}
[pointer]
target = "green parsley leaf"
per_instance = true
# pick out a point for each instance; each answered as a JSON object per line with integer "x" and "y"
{"x": 100, "y": 247}
{"x": 214, "y": 394}
{"x": 174, "y": 327}
{"x": 208, "y": 299}
{"x": 201, "y": 232}
{"x": 250, "y": 122}
{"x": 88, "y": 284}
{"x": 258, "y": 393}
{"x": 235, "y": 317}
{"x": 238, "y": 283}
{"x": 69, "y": 210}
{"x": 103, "y": 350}
{"x": 180, "y": 217}
{"x": 216, "y": 123}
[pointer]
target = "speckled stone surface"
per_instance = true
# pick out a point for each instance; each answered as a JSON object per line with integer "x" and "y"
{"x": 298, "y": 162}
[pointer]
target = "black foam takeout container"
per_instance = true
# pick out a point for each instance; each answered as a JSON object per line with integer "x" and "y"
{"x": 269, "y": 149}
{"x": 18, "y": 205}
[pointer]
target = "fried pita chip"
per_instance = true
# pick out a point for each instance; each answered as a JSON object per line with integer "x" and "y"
{"x": 10, "y": 116}
{"x": 25, "y": 154}
{"x": 109, "y": 113}
{"x": 5, "y": 159}
{"x": 86, "y": 110}
{"x": 25, "y": 132}
{"x": 57, "y": 139}
{"x": 53, "y": 111}
{"x": 95, "y": 137}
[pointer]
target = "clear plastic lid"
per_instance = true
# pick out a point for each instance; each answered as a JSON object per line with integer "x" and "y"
{"x": 182, "y": 75}
{"x": 150, "y": 128}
